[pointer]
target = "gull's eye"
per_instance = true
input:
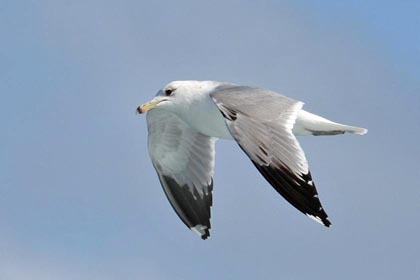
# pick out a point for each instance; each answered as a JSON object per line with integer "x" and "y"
{"x": 169, "y": 91}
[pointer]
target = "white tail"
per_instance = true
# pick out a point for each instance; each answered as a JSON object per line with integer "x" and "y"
{"x": 310, "y": 124}
{"x": 354, "y": 129}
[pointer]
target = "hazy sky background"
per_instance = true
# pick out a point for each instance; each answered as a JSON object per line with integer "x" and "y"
{"x": 79, "y": 198}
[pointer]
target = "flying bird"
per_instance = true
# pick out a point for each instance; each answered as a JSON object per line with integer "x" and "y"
{"x": 186, "y": 118}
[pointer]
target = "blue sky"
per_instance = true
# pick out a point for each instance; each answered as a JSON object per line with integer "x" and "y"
{"x": 79, "y": 198}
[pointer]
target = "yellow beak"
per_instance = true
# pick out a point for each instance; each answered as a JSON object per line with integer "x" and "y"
{"x": 148, "y": 106}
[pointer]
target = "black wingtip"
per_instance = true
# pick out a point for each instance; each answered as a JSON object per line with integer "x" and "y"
{"x": 322, "y": 217}
{"x": 202, "y": 231}
{"x": 326, "y": 223}
{"x": 206, "y": 235}
{"x": 299, "y": 191}
{"x": 190, "y": 206}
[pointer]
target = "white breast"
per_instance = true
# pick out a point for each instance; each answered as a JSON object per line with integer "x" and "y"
{"x": 204, "y": 116}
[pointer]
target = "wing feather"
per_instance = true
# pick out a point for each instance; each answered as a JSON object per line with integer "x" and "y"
{"x": 261, "y": 121}
{"x": 184, "y": 162}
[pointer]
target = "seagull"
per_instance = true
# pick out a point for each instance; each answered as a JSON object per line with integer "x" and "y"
{"x": 186, "y": 118}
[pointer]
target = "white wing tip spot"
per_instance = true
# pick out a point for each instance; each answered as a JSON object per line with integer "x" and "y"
{"x": 316, "y": 219}
{"x": 199, "y": 229}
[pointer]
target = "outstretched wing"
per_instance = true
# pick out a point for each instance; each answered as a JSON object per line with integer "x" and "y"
{"x": 184, "y": 161}
{"x": 261, "y": 121}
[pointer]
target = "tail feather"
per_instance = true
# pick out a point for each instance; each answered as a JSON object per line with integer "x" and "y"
{"x": 355, "y": 129}
{"x": 310, "y": 124}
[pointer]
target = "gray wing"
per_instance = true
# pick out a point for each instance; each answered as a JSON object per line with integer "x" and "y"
{"x": 261, "y": 121}
{"x": 184, "y": 161}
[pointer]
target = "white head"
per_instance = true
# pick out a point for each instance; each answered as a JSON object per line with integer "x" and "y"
{"x": 178, "y": 94}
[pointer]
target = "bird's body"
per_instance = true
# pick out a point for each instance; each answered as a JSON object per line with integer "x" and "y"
{"x": 205, "y": 111}
{"x": 201, "y": 110}
{"x": 189, "y": 116}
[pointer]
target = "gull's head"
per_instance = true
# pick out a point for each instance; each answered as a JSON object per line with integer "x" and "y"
{"x": 178, "y": 94}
